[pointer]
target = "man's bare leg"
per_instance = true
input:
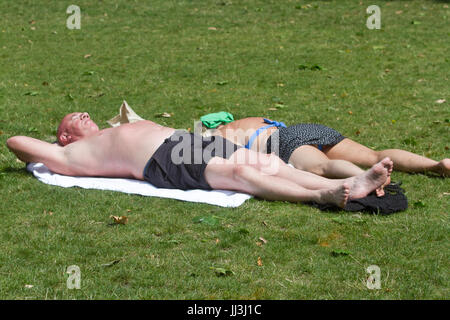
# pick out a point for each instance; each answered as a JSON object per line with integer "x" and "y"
{"x": 361, "y": 185}
{"x": 403, "y": 160}
{"x": 225, "y": 174}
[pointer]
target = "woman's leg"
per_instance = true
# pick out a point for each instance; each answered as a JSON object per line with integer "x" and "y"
{"x": 270, "y": 166}
{"x": 311, "y": 159}
{"x": 403, "y": 160}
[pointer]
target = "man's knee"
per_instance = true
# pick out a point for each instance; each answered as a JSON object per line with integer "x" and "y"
{"x": 240, "y": 171}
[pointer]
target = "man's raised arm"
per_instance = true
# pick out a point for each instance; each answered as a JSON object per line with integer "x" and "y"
{"x": 33, "y": 150}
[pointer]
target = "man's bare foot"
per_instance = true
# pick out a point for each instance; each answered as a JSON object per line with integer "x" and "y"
{"x": 443, "y": 167}
{"x": 372, "y": 179}
{"x": 337, "y": 196}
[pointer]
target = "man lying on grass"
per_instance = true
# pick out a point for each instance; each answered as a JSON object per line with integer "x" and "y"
{"x": 168, "y": 158}
{"x": 321, "y": 150}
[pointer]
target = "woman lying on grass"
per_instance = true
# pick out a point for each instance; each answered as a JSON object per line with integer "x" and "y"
{"x": 321, "y": 150}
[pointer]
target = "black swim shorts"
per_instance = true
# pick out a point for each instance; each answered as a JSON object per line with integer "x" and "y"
{"x": 285, "y": 140}
{"x": 181, "y": 160}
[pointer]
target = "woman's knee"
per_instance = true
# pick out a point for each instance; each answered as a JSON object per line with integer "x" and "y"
{"x": 374, "y": 156}
{"x": 320, "y": 167}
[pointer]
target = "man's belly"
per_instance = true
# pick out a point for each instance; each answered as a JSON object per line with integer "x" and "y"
{"x": 138, "y": 152}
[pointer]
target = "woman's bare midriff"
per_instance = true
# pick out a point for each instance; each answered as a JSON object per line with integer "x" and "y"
{"x": 240, "y": 131}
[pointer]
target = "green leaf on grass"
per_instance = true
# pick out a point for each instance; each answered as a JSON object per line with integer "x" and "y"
{"x": 303, "y": 67}
{"x": 243, "y": 231}
{"x": 110, "y": 264}
{"x": 88, "y": 73}
{"x": 280, "y": 106}
{"x": 314, "y": 67}
{"x": 420, "y": 204}
{"x": 338, "y": 220}
{"x": 338, "y": 253}
{"x": 208, "y": 220}
{"x": 31, "y": 93}
{"x": 222, "y": 272}
{"x": 222, "y": 83}
{"x": 277, "y": 100}
{"x": 317, "y": 67}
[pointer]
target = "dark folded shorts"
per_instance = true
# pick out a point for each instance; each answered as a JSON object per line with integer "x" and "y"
{"x": 284, "y": 141}
{"x": 181, "y": 160}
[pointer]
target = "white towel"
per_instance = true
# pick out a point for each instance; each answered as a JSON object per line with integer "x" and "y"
{"x": 223, "y": 198}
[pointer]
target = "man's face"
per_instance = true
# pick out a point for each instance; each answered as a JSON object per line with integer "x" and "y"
{"x": 76, "y": 126}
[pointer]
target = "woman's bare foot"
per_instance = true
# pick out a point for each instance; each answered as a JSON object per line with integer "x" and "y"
{"x": 372, "y": 179}
{"x": 443, "y": 168}
{"x": 380, "y": 191}
{"x": 337, "y": 196}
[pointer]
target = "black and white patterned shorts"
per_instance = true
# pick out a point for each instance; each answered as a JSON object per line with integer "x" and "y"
{"x": 285, "y": 140}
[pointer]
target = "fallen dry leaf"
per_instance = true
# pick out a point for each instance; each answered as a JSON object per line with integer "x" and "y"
{"x": 324, "y": 244}
{"x": 440, "y": 101}
{"x": 120, "y": 220}
{"x": 87, "y": 56}
{"x": 164, "y": 115}
{"x": 259, "y": 262}
{"x": 264, "y": 241}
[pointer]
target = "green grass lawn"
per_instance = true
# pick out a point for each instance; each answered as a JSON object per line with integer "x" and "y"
{"x": 190, "y": 58}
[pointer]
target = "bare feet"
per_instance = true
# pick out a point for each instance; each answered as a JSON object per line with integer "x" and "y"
{"x": 380, "y": 191}
{"x": 372, "y": 179}
{"x": 443, "y": 167}
{"x": 337, "y": 196}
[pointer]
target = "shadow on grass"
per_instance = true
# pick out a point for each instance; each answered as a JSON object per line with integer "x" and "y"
{"x": 21, "y": 171}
